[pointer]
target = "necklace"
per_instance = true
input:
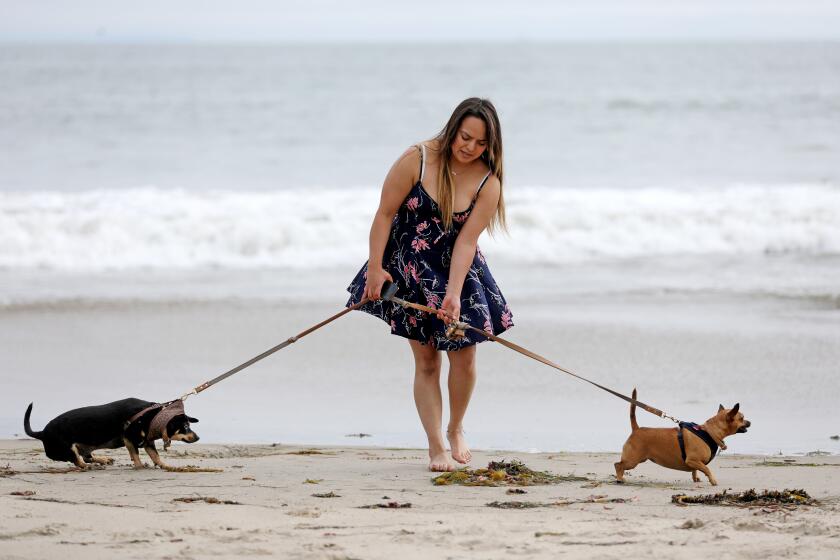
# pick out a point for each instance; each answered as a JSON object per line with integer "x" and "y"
{"x": 456, "y": 173}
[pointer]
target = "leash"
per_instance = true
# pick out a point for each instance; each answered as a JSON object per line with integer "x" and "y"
{"x": 207, "y": 384}
{"x": 456, "y": 328}
{"x": 459, "y": 328}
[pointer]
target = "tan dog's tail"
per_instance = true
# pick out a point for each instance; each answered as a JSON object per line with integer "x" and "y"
{"x": 633, "y": 424}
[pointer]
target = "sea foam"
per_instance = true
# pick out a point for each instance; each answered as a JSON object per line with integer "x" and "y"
{"x": 155, "y": 228}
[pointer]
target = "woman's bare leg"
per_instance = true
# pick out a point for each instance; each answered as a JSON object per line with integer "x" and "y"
{"x": 462, "y": 375}
{"x": 427, "y": 397}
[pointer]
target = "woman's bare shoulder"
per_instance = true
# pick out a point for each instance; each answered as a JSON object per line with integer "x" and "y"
{"x": 407, "y": 167}
{"x": 410, "y": 155}
{"x": 493, "y": 181}
{"x": 492, "y": 188}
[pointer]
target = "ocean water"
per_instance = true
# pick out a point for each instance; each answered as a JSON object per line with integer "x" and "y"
{"x": 614, "y": 116}
{"x": 637, "y": 175}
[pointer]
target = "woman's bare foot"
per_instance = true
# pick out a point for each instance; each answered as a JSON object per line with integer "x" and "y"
{"x": 460, "y": 451}
{"x": 439, "y": 462}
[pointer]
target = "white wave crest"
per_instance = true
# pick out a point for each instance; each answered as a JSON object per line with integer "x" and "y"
{"x": 177, "y": 229}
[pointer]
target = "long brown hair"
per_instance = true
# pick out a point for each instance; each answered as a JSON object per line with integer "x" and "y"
{"x": 492, "y": 157}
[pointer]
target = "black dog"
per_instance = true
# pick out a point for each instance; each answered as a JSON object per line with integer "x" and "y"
{"x": 133, "y": 423}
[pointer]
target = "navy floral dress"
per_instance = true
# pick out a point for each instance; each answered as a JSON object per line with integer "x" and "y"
{"x": 417, "y": 256}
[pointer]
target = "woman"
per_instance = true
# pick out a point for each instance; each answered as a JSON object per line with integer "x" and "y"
{"x": 436, "y": 201}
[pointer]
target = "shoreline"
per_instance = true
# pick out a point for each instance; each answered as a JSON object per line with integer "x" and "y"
{"x": 333, "y": 502}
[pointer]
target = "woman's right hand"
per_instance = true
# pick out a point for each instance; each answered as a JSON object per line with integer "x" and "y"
{"x": 373, "y": 285}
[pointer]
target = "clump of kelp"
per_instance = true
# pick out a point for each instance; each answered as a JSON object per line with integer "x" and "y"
{"x": 206, "y": 500}
{"x": 594, "y": 499}
{"x": 749, "y": 498}
{"x": 502, "y": 473}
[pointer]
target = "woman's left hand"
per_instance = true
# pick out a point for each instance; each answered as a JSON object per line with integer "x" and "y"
{"x": 450, "y": 309}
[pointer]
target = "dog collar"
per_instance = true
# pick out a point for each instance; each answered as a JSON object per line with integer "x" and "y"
{"x": 699, "y": 432}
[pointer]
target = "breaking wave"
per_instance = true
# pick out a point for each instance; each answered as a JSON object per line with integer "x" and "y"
{"x": 177, "y": 229}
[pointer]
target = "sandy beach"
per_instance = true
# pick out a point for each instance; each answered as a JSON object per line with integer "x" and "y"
{"x": 266, "y": 503}
{"x": 170, "y": 209}
{"x": 292, "y": 414}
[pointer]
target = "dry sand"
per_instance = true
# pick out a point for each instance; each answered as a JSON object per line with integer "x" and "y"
{"x": 125, "y": 513}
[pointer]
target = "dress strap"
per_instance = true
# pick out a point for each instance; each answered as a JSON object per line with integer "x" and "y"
{"x": 422, "y": 161}
{"x": 481, "y": 185}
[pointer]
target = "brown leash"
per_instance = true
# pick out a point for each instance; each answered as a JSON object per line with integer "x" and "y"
{"x": 459, "y": 328}
{"x": 271, "y": 351}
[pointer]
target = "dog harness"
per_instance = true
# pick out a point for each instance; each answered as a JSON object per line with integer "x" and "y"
{"x": 157, "y": 427}
{"x": 699, "y": 432}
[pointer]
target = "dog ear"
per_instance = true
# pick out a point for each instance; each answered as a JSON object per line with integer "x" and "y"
{"x": 192, "y": 420}
{"x": 734, "y": 410}
{"x": 720, "y": 407}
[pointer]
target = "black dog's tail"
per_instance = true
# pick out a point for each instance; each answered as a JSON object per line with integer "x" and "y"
{"x": 633, "y": 424}
{"x": 27, "y": 427}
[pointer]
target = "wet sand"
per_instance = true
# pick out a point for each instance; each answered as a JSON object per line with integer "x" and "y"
{"x": 685, "y": 355}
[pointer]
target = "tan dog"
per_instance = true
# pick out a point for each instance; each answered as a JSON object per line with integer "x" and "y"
{"x": 687, "y": 448}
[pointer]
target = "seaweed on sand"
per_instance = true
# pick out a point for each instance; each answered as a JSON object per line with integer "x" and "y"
{"x": 502, "y": 473}
{"x": 792, "y": 463}
{"x": 518, "y": 505}
{"x": 750, "y": 498}
{"x": 9, "y": 471}
{"x": 326, "y": 495}
{"x": 594, "y": 499}
{"x": 389, "y": 505}
{"x": 191, "y": 469}
{"x": 309, "y": 452}
{"x": 206, "y": 500}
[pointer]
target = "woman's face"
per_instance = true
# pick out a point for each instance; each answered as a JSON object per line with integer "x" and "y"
{"x": 470, "y": 140}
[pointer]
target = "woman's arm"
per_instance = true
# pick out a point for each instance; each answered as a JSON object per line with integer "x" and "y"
{"x": 465, "y": 246}
{"x": 398, "y": 183}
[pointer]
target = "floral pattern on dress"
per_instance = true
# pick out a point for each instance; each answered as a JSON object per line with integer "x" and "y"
{"x": 418, "y": 255}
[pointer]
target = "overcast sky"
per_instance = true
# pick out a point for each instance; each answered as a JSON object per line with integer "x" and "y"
{"x": 190, "y": 21}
